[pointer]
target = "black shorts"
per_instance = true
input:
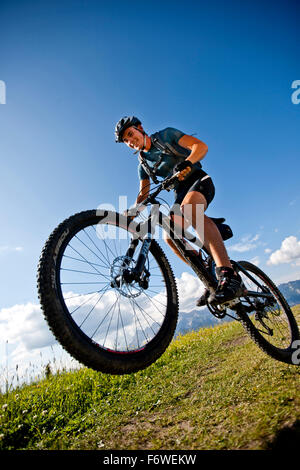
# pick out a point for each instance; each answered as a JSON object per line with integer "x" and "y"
{"x": 199, "y": 181}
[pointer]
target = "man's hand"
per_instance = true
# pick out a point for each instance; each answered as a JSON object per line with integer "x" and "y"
{"x": 185, "y": 168}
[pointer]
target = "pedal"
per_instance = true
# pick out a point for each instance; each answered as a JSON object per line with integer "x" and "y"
{"x": 229, "y": 304}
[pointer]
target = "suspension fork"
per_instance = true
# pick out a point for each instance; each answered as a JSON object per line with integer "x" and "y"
{"x": 148, "y": 228}
{"x": 131, "y": 250}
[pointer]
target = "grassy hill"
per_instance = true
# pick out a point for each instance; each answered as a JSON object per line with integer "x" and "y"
{"x": 212, "y": 389}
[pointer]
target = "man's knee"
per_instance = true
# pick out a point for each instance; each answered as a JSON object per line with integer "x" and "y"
{"x": 194, "y": 202}
{"x": 193, "y": 213}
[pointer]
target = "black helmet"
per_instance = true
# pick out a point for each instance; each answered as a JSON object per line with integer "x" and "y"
{"x": 124, "y": 123}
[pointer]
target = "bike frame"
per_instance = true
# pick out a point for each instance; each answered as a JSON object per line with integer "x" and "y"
{"x": 147, "y": 228}
{"x": 196, "y": 262}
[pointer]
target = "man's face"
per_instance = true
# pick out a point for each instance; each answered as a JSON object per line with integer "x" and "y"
{"x": 133, "y": 138}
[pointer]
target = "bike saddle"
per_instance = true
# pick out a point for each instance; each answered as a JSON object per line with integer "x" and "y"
{"x": 224, "y": 229}
{"x": 217, "y": 221}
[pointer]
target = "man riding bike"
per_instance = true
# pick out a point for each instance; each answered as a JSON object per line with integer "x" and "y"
{"x": 167, "y": 151}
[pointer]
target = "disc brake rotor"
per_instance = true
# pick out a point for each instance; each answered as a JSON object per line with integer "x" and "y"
{"x": 118, "y": 270}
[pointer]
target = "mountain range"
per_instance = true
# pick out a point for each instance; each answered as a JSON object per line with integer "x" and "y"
{"x": 202, "y": 318}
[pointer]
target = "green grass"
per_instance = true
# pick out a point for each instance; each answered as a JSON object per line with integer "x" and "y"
{"x": 212, "y": 389}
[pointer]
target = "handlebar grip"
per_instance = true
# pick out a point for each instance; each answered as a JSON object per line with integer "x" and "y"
{"x": 171, "y": 180}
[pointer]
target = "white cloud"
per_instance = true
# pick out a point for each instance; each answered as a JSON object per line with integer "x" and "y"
{"x": 290, "y": 276}
{"x": 190, "y": 289}
{"x": 26, "y": 340}
{"x": 10, "y": 249}
{"x": 289, "y": 252}
{"x": 26, "y": 332}
{"x": 247, "y": 243}
{"x": 255, "y": 260}
{"x": 268, "y": 250}
{"x": 24, "y": 325}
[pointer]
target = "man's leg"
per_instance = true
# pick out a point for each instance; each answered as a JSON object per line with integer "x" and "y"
{"x": 193, "y": 207}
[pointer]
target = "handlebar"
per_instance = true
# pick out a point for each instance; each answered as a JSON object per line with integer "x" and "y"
{"x": 165, "y": 184}
{"x": 169, "y": 180}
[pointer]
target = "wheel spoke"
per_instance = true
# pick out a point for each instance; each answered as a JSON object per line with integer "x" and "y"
{"x": 91, "y": 264}
{"x": 106, "y": 261}
{"x": 133, "y": 316}
{"x": 96, "y": 245}
{"x": 84, "y": 261}
{"x": 89, "y": 313}
{"x": 106, "y": 247}
{"x": 87, "y": 300}
{"x": 270, "y": 320}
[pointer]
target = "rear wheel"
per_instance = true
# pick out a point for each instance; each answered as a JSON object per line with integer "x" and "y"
{"x": 99, "y": 315}
{"x": 267, "y": 318}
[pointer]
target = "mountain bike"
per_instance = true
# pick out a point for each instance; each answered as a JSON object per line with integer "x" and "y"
{"x": 109, "y": 294}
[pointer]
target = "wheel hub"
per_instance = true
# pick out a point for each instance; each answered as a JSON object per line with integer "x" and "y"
{"x": 122, "y": 277}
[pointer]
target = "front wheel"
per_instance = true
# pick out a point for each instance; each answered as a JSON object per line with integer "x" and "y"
{"x": 266, "y": 315}
{"x": 103, "y": 318}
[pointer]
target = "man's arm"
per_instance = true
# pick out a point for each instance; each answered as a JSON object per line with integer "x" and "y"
{"x": 144, "y": 191}
{"x": 198, "y": 148}
{"x": 143, "y": 194}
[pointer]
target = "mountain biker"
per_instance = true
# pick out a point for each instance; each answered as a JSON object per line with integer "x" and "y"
{"x": 167, "y": 151}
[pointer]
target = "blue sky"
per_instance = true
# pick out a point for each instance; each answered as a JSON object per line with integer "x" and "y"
{"x": 222, "y": 70}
